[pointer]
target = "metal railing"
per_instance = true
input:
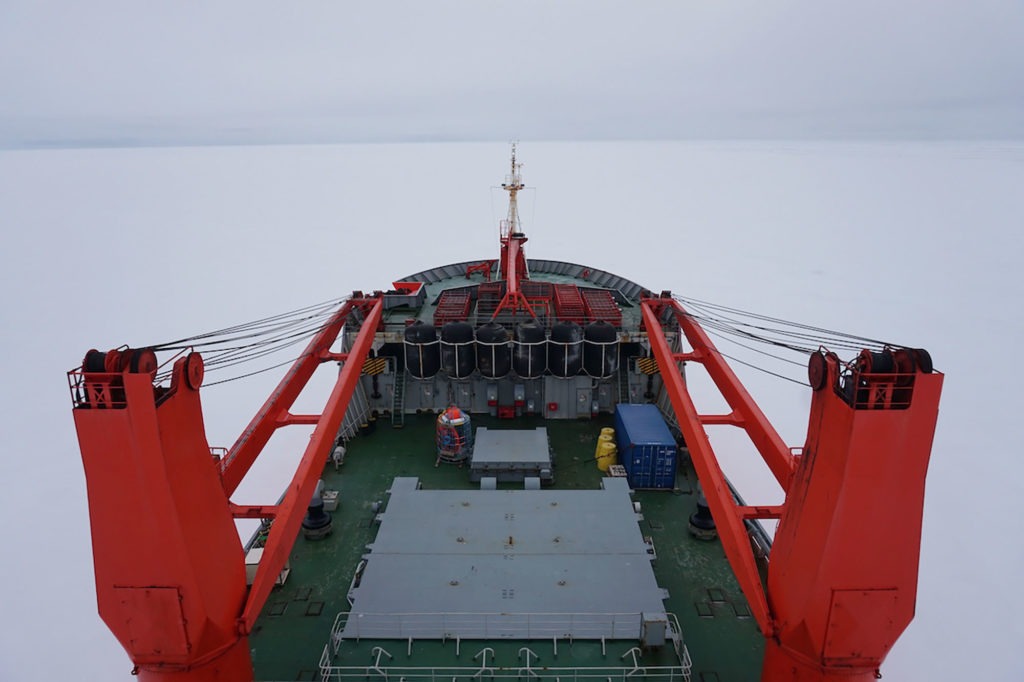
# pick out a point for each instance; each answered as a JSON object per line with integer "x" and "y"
{"x": 488, "y": 625}
{"x": 397, "y": 673}
{"x": 541, "y": 626}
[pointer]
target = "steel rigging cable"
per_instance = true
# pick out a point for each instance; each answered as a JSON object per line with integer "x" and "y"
{"x": 736, "y": 326}
{"x": 243, "y": 343}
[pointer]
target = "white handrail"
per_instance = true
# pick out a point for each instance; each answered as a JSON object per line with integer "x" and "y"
{"x": 487, "y": 625}
{"x": 673, "y": 673}
{"x": 535, "y": 623}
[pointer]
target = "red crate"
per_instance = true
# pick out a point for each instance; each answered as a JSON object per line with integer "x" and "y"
{"x": 569, "y": 304}
{"x": 600, "y": 305}
{"x": 453, "y": 306}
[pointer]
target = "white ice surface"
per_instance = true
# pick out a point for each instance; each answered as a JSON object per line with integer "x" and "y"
{"x": 918, "y": 243}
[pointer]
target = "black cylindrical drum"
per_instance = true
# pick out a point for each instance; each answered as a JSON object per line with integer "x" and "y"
{"x": 493, "y": 353}
{"x": 458, "y": 352}
{"x": 565, "y": 349}
{"x": 529, "y": 351}
{"x": 600, "y": 349}
{"x": 422, "y": 353}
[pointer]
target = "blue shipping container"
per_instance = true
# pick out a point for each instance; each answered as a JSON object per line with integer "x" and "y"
{"x": 647, "y": 449}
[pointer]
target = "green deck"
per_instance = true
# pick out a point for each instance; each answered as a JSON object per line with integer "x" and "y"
{"x": 295, "y": 625}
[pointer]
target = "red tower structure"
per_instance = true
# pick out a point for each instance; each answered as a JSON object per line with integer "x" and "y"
{"x": 842, "y": 580}
{"x": 512, "y": 261}
{"x": 170, "y": 574}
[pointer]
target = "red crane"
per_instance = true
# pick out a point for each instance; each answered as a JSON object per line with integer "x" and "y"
{"x": 842, "y": 579}
{"x": 170, "y": 574}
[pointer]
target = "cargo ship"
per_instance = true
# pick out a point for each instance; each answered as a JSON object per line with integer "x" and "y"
{"x": 510, "y": 479}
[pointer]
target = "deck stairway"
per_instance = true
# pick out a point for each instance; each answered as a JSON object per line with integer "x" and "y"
{"x": 624, "y": 381}
{"x": 398, "y": 400}
{"x": 664, "y": 404}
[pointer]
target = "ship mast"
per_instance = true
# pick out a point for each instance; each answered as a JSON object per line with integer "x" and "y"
{"x": 512, "y": 265}
{"x": 513, "y": 183}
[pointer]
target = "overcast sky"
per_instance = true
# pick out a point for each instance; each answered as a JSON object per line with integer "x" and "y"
{"x": 125, "y": 73}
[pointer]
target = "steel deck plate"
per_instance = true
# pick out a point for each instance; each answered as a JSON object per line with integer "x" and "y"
{"x": 525, "y": 564}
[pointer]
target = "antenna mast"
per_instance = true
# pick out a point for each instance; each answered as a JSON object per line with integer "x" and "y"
{"x": 513, "y": 183}
{"x": 512, "y": 264}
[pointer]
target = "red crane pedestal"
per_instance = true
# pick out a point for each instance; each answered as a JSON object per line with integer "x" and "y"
{"x": 842, "y": 575}
{"x": 170, "y": 575}
{"x": 842, "y": 580}
{"x": 170, "y": 571}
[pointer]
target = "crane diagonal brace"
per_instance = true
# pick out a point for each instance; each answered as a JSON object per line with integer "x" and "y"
{"x": 299, "y": 492}
{"x": 274, "y": 412}
{"x": 728, "y": 516}
{"x": 746, "y": 413}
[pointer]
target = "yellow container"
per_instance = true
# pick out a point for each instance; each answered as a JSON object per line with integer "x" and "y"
{"x": 603, "y": 438}
{"x": 608, "y": 431}
{"x": 607, "y": 454}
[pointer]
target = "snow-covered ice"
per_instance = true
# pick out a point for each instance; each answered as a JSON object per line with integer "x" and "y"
{"x": 912, "y": 242}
